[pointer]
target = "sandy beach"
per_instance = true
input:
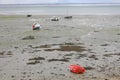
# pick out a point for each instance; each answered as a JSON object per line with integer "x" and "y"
{"x": 92, "y": 41}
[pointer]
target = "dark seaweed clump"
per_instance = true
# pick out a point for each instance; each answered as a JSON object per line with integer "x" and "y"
{"x": 63, "y": 60}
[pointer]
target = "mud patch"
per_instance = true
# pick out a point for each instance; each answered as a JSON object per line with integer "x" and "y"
{"x": 104, "y": 45}
{"x": 37, "y": 58}
{"x": 81, "y": 56}
{"x": 43, "y": 46}
{"x": 71, "y": 48}
{"x": 109, "y": 55}
{"x": 5, "y": 54}
{"x": 9, "y": 53}
{"x": 33, "y": 62}
{"x": 96, "y": 31}
{"x": 68, "y": 48}
{"x": 28, "y": 38}
{"x": 89, "y": 68}
{"x": 56, "y": 37}
{"x": 69, "y": 54}
{"x": 2, "y": 53}
{"x": 93, "y": 56}
{"x": 63, "y": 47}
{"x": 63, "y": 60}
{"x": 118, "y": 34}
{"x": 51, "y": 49}
{"x": 36, "y": 50}
{"x": 69, "y": 44}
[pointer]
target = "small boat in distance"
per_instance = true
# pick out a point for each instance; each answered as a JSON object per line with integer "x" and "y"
{"x": 36, "y": 26}
{"x": 54, "y": 18}
{"x": 68, "y": 16}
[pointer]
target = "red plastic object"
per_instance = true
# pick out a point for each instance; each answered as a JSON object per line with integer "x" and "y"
{"x": 77, "y": 69}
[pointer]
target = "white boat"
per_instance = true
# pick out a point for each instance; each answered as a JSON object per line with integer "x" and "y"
{"x": 36, "y": 26}
{"x": 54, "y": 18}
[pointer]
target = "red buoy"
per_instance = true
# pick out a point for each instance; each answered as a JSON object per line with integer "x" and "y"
{"x": 77, "y": 69}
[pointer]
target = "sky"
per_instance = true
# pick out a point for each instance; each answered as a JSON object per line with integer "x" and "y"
{"x": 55, "y": 1}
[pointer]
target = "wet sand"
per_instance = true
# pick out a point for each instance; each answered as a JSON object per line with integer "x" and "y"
{"x": 92, "y": 41}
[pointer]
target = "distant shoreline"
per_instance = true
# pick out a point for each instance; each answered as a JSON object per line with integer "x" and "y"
{"x": 58, "y": 3}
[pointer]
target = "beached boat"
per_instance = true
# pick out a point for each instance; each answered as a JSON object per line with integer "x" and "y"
{"x": 68, "y": 17}
{"x": 54, "y": 18}
{"x": 36, "y": 26}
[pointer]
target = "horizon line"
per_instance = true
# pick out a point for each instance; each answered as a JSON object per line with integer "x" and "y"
{"x": 61, "y": 3}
